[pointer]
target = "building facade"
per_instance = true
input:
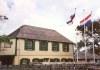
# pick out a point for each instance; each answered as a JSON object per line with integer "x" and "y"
{"x": 35, "y": 44}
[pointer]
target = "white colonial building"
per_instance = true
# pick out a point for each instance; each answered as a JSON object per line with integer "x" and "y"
{"x": 35, "y": 44}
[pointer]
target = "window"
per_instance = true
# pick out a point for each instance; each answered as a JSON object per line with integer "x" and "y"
{"x": 29, "y": 45}
{"x": 45, "y": 59}
{"x": 43, "y": 45}
{"x": 55, "y": 46}
{"x": 36, "y": 60}
{"x": 64, "y": 60}
{"x": 24, "y": 61}
{"x": 65, "y": 47}
{"x": 55, "y": 60}
{"x": 7, "y": 45}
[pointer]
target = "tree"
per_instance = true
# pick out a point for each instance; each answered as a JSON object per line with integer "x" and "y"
{"x": 91, "y": 37}
{"x": 4, "y": 39}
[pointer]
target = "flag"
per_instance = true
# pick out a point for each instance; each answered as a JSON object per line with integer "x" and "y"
{"x": 71, "y": 18}
{"x": 5, "y": 17}
{"x": 85, "y": 22}
{"x": 86, "y": 19}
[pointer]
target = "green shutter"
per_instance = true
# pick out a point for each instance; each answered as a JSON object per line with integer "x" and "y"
{"x": 67, "y": 47}
{"x": 33, "y": 45}
{"x": 29, "y": 45}
{"x": 25, "y": 45}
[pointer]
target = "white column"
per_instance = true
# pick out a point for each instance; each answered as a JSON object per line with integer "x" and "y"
{"x": 50, "y": 46}
{"x": 36, "y": 45}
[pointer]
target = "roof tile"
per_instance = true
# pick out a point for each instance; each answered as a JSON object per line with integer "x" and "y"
{"x": 32, "y": 32}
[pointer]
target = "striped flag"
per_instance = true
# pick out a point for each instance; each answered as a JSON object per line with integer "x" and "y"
{"x": 85, "y": 22}
{"x": 86, "y": 19}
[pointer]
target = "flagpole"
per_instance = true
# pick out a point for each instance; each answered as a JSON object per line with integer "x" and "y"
{"x": 85, "y": 41}
{"x": 85, "y": 44}
{"x": 76, "y": 48}
{"x": 76, "y": 44}
{"x": 71, "y": 21}
{"x": 93, "y": 45}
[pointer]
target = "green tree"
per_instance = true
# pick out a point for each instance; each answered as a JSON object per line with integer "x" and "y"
{"x": 4, "y": 39}
{"x": 91, "y": 37}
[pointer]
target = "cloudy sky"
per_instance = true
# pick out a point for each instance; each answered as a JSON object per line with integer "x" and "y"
{"x": 51, "y": 14}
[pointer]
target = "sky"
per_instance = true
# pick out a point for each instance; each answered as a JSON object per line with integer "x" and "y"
{"x": 51, "y": 14}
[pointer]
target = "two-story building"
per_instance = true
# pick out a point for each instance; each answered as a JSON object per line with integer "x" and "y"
{"x": 35, "y": 44}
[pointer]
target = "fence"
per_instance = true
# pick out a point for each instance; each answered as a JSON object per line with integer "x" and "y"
{"x": 51, "y": 67}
